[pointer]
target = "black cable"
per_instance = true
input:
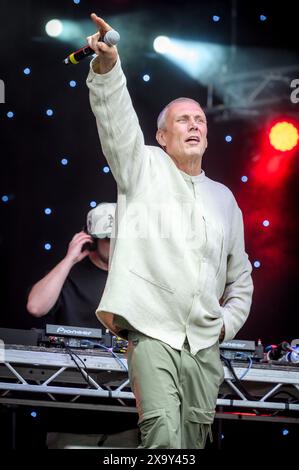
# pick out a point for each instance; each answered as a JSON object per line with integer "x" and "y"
{"x": 228, "y": 364}
{"x": 88, "y": 342}
{"x": 249, "y": 396}
{"x": 286, "y": 392}
{"x": 73, "y": 355}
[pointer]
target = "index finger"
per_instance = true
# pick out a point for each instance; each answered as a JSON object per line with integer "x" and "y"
{"x": 100, "y": 23}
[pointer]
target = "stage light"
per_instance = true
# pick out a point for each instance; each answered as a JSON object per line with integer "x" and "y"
{"x": 54, "y": 28}
{"x": 283, "y": 136}
{"x": 26, "y": 71}
{"x": 285, "y": 432}
{"x": 263, "y": 17}
{"x": 257, "y": 264}
{"x": 266, "y": 223}
{"x": 73, "y": 83}
{"x": 106, "y": 169}
{"x": 162, "y": 44}
{"x": 92, "y": 203}
{"x": 48, "y": 211}
{"x": 10, "y": 114}
{"x": 64, "y": 161}
{"x": 4, "y": 198}
{"x": 200, "y": 60}
{"x": 146, "y": 78}
{"x": 33, "y": 414}
{"x": 228, "y": 138}
{"x": 216, "y": 18}
{"x": 68, "y": 31}
{"x": 244, "y": 179}
{"x": 47, "y": 246}
{"x": 49, "y": 112}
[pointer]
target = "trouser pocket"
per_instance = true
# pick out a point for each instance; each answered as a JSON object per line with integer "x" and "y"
{"x": 156, "y": 432}
{"x": 198, "y": 427}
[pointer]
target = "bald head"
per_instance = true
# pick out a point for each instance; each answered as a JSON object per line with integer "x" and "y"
{"x": 161, "y": 121}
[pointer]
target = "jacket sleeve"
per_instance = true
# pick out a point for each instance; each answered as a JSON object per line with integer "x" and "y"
{"x": 118, "y": 127}
{"x": 237, "y": 297}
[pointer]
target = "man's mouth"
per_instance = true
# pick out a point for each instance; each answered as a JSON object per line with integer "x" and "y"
{"x": 193, "y": 139}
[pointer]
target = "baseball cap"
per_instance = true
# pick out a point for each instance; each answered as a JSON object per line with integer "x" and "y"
{"x": 100, "y": 220}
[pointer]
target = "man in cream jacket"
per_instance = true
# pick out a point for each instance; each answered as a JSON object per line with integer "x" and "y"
{"x": 178, "y": 250}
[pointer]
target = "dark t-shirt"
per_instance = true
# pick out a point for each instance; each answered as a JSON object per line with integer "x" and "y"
{"x": 79, "y": 297}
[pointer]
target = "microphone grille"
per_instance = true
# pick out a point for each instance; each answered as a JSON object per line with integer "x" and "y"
{"x": 112, "y": 37}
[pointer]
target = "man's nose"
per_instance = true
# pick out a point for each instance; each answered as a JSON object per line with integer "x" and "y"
{"x": 193, "y": 124}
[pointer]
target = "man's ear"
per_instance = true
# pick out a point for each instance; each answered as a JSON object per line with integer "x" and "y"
{"x": 160, "y": 138}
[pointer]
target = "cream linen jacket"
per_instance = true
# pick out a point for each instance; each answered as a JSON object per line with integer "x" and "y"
{"x": 179, "y": 243}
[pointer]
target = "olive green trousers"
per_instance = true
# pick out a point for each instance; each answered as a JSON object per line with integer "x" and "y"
{"x": 175, "y": 392}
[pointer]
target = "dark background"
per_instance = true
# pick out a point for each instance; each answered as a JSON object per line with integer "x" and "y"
{"x": 33, "y": 144}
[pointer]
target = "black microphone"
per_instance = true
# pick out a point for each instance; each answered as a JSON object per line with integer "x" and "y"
{"x": 111, "y": 38}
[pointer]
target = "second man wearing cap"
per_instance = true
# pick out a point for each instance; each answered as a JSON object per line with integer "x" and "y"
{"x": 70, "y": 292}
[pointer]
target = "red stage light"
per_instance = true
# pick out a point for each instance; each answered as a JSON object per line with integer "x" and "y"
{"x": 283, "y": 136}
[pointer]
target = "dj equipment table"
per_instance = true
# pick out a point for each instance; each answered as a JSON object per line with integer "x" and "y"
{"x": 98, "y": 380}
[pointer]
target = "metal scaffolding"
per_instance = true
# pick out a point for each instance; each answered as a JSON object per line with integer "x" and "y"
{"x": 99, "y": 381}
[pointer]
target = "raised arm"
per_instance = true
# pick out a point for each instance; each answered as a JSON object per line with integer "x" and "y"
{"x": 45, "y": 292}
{"x": 118, "y": 127}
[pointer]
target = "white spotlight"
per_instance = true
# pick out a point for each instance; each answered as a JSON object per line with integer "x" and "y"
{"x": 161, "y": 44}
{"x": 202, "y": 61}
{"x": 54, "y": 28}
